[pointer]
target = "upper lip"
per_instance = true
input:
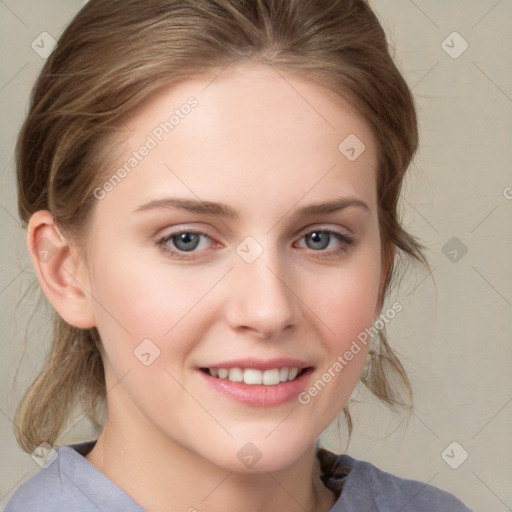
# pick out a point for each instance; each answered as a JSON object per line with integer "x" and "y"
{"x": 261, "y": 364}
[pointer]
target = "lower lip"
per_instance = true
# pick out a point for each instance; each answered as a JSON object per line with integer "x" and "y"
{"x": 260, "y": 395}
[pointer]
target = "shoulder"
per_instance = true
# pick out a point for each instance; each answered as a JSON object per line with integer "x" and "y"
{"x": 40, "y": 492}
{"x": 70, "y": 482}
{"x": 366, "y": 487}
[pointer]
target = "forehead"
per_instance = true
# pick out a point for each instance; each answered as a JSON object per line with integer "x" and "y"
{"x": 253, "y": 127}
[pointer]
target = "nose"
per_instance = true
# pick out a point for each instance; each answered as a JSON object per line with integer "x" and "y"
{"x": 261, "y": 296}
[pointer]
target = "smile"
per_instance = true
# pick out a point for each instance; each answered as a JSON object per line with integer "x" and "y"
{"x": 254, "y": 376}
{"x": 258, "y": 383}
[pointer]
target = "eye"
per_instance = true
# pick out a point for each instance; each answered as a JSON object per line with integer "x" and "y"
{"x": 182, "y": 242}
{"x": 320, "y": 239}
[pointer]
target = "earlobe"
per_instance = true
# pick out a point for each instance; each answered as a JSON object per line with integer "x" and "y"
{"x": 60, "y": 275}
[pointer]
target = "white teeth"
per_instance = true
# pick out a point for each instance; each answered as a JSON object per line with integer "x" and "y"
{"x": 252, "y": 376}
{"x": 235, "y": 375}
{"x": 293, "y": 373}
{"x": 271, "y": 377}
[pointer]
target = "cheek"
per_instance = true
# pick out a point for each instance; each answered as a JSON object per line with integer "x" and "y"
{"x": 344, "y": 305}
{"x": 339, "y": 372}
{"x": 129, "y": 301}
{"x": 346, "y": 314}
{"x": 136, "y": 301}
{"x": 346, "y": 300}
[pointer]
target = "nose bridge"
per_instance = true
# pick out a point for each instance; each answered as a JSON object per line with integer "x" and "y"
{"x": 263, "y": 298}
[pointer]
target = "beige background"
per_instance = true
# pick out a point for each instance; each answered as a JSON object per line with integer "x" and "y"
{"x": 454, "y": 333}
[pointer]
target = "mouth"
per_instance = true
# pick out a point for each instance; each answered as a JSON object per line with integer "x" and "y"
{"x": 255, "y": 376}
{"x": 258, "y": 382}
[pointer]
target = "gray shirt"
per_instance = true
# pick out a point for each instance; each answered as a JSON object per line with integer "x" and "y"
{"x": 71, "y": 483}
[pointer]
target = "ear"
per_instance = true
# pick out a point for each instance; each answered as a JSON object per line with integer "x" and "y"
{"x": 62, "y": 275}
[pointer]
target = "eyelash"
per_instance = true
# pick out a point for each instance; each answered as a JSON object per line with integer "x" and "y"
{"x": 345, "y": 240}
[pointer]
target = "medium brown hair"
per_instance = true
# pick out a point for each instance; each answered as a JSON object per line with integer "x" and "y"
{"x": 111, "y": 58}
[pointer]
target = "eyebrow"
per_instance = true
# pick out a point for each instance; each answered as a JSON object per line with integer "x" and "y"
{"x": 223, "y": 210}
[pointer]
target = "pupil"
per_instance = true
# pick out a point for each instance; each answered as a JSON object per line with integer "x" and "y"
{"x": 187, "y": 241}
{"x": 320, "y": 239}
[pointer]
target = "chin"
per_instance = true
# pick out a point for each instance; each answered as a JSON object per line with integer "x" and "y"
{"x": 259, "y": 455}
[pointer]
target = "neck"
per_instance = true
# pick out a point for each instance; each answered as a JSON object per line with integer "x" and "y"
{"x": 160, "y": 476}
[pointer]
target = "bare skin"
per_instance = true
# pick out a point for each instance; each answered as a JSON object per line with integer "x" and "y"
{"x": 172, "y": 441}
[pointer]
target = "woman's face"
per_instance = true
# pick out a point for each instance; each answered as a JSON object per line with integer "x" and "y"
{"x": 245, "y": 277}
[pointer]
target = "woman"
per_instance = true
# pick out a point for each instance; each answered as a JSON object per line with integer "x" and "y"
{"x": 210, "y": 192}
